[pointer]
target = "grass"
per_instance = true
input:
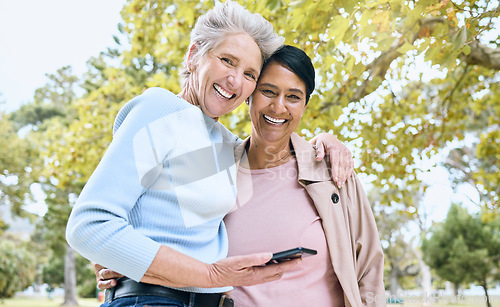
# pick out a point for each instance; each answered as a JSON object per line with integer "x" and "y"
{"x": 470, "y": 301}
{"x": 444, "y": 305}
{"x": 45, "y": 302}
{"x": 92, "y": 302}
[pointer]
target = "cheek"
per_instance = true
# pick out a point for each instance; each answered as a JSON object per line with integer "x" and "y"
{"x": 299, "y": 112}
{"x": 249, "y": 88}
{"x": 253, "y": 114}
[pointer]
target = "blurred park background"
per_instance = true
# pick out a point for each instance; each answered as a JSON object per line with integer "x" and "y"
{"x": 411, "y": 86}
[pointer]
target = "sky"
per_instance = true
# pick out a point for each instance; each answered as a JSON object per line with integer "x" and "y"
{"x": 37, "y": 37}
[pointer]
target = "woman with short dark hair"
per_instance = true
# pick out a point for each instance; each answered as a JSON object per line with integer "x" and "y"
{"x": 286, "y": 199}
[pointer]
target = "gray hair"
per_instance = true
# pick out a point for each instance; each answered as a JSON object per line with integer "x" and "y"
{"x": 230, "y": 18}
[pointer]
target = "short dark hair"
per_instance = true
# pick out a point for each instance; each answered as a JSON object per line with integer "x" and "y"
{"x": 298, "y": 62}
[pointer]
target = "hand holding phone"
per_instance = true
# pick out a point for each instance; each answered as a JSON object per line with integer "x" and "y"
{"x": 292, "y": 254}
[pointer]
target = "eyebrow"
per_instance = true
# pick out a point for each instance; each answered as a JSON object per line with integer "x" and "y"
{"x": 275, "y": 87}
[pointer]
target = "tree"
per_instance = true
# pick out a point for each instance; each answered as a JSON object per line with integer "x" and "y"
{"x": 17, "y": 267}
{"x": 53, "y": 274}
{"x": 53, "y": 100}
{"x": 15, "y": 175}
{"x": 365, "y": 53}
{"x": 425, "y": 270}
{"x": 476, "y": 165}
{"x": 52, "y": 107}
{"x": 54, "y": 226}
{"x": 464, "y": 249}
{"x": 399, "y": 258}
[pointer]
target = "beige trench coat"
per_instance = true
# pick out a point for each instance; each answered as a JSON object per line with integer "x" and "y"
{"x": 349, "y": 226}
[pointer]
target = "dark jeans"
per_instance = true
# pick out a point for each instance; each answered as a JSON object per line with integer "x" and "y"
{"x": 144, "y": 301}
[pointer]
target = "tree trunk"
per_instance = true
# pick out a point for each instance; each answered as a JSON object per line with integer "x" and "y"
{"x": 394, "y": 284}
{"x": 456, "y": 286}
{"x": 425, "y": 273}
{"x": 484, "y": 56}
{"x": 485, "y": 287}
{"x": 69, "y": 278}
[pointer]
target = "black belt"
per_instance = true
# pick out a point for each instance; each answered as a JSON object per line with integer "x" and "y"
{"x": 127, "y": 287}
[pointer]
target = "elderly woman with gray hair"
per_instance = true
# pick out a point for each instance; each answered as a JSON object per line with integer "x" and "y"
{"x": 153, "y": 208}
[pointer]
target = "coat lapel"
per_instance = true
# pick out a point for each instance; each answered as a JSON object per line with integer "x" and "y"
{"x": 238, "y": 152}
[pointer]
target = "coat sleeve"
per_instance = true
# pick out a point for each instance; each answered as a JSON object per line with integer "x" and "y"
{"x": 369, "y": 257}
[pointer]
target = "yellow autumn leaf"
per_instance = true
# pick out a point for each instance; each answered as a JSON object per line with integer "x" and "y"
{"x": 450, "y": 14}
{"x": 434, "y": 8}
{"x": 382, "y": 19}
{"x": 338, "y": 28}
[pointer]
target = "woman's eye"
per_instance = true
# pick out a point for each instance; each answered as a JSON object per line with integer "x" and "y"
{"x": 268, "y": 92}
{"x": 226, "y": 60}
{"x": 294, "y": 97}
{"x": 251, "y": 76}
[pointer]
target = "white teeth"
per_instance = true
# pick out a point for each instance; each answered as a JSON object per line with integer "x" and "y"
{"x": 222, "y": 92}
{"x": 274, "y": 120}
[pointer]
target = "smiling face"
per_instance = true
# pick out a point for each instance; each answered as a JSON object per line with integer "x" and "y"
{"x": 278, "y": 103}
{"x": 226, "y": 76}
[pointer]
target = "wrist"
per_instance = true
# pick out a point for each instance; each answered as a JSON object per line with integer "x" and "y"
{"x": 213, "y": 276}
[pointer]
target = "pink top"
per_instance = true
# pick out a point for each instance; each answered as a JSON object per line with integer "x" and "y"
{"x": 275, "y": 213}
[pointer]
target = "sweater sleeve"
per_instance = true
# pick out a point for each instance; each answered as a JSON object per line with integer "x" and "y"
{"x": 230, "y": 137}
{"x": 98, "y": 227}
{"x": 369, "y": 255}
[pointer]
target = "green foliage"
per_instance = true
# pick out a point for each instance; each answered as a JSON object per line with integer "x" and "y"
{"x": 54, "y": 221}
{"x": 17, "y": 267}
{"x": 400, "y": 262}
{"x": 54, "y": 106}
{"x": 365, "y": 54}
{"x": 52, "y": 100}
{"x": 360, "y": 49}
{"x": 53, "y": 274}
{"x": 85, "y": 277}
{"x": 464, "y": 248}
{"x": 15, "y": 174}
{"x": 371, "y": 92}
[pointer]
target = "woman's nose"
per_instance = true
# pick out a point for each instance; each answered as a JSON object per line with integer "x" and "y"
{"x": 235, "y": 80}
{"x": 279, "y": 104}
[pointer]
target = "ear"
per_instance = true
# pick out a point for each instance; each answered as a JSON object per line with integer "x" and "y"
{"x": 193, "y": 49}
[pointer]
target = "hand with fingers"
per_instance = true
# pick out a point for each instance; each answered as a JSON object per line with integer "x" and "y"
{"x": 106, "y": 278}
{"x": 248, "y": 270}
{"x": 341, "y": 160}
{"x": 244, "y": 270}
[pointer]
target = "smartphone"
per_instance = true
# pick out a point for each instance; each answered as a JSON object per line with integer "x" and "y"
{"x": 292, "y": 254}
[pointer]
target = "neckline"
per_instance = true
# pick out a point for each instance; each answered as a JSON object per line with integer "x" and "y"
{"x": 242, "y": 167}
{"x": 209, "y": 122}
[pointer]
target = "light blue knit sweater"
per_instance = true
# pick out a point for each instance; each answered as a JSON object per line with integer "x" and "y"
{"x": 168, "y": 177}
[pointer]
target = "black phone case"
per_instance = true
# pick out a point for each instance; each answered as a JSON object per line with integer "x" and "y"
{"x": 293, "y": 253}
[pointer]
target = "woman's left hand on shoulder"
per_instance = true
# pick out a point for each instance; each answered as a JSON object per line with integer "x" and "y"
{"x": 341, "y": 160}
